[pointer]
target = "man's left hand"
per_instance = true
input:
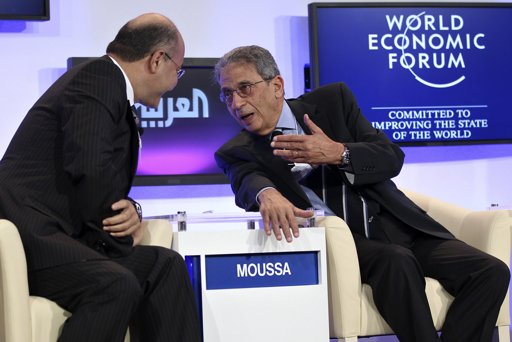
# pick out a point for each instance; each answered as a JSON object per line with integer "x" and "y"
{"x": 314, "y": 149}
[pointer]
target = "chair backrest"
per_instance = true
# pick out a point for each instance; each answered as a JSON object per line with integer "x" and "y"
{"x": 449, "y": 215}
{"x": 14, "y": 302}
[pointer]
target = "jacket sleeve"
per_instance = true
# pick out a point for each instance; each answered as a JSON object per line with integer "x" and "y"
{"x": 245, "y": 176}
{"x": 374, "y": 158}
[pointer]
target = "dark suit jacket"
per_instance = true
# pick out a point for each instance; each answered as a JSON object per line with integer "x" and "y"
{"x": 74, "y": 154}
{"x": 248, "y": 161}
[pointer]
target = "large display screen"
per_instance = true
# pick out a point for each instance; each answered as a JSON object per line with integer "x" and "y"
{"x": 181, "y": 136}
{"x": 424, "y": 73}
{"x": 25, "y": 9}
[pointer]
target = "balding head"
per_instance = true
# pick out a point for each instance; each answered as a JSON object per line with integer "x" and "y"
{"x": 150, "y": 18}
{"x": 141, "y": 36}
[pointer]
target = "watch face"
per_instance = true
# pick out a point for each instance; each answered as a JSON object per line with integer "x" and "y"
{"x": 345, "y": 156}
{"x": 138, "y": 209}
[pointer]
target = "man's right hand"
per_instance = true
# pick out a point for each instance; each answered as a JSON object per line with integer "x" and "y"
{"x": 125, "y": 222}
{"x": 279, "y": 214}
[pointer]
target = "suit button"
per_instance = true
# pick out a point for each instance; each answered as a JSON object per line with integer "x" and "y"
{"x": 100, "y": 245}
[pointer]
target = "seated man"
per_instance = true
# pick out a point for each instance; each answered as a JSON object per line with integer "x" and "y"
{"x": 64, "y": 182}
{"x": 330, "y": 157}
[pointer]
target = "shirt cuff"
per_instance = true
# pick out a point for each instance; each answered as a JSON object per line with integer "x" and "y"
{"x": 259, "y": 192}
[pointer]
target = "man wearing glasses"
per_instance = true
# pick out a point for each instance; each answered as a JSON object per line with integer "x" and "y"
{"x": 64, "y": 182}
{"x": 328, "y": 156}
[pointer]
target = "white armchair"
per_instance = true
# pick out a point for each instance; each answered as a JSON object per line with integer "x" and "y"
{"x": 25, "y": 318}
{"x": 352, "y": 312}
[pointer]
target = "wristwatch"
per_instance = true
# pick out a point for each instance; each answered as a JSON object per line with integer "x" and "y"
{"x": 138, "y": 209}
{"x": 345, "y": 156}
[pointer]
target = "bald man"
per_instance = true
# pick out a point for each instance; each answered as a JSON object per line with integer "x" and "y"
{"x": 64, "y": 182}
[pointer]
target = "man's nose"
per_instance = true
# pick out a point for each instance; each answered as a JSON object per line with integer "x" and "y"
{"x": 238, "y": 101}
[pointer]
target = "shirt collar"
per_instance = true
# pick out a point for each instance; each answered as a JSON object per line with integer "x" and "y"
{"x": 287, "y": 119}
{"x": 130, "y": 95}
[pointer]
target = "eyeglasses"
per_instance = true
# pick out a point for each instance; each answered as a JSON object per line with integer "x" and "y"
{"x": 179, "y": 71}
{"x": 244, "y": 90}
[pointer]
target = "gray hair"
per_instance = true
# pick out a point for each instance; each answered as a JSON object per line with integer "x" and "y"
{"x": 254, "y": 55}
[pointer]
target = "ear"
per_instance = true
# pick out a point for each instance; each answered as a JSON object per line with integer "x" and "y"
{"x": 278, "y": 84}
{"x": 155, "y": 60}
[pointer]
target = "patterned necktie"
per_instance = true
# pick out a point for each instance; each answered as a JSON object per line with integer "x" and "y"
{"x": 137, "y": 124}
{"x": 137, "y": 121}
{"x": 276, "y": 132}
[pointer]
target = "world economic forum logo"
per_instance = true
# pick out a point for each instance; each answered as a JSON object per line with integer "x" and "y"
{"x": 431, "y": 47}
{"x": 170, "y": 108}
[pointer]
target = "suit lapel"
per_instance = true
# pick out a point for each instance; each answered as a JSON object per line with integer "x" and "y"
{"x": 300, "y": 108}
{"x": 277, "y": 166}
{"x": 266, "y": 157}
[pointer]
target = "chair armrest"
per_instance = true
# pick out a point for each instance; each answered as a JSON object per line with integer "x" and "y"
{"x": 14, "y": 297}
{"x": 157, "y": 232}
{"x": 344, "y": 278}
{"x": 488, "y": 231}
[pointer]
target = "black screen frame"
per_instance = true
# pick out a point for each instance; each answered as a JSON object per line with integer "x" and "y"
{"x": 44, "y": 16}
{"x": 186, "y": 179}
{"x": 314, "y": 67}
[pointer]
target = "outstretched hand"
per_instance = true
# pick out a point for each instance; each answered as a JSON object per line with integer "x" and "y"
{"x": 314, "y": 149}
{"x": 279, "y": 215}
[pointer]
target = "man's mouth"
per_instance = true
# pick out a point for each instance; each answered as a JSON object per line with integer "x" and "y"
{"x": 245, "y": 116}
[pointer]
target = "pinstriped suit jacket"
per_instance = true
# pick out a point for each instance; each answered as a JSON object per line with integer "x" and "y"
{"x": 248, "y": 161}
{"x": 74, "y": 154}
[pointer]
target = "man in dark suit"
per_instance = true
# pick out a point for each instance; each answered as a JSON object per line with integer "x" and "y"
{"x": 336, "y": 161}
{"x": 64, "y": 182}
